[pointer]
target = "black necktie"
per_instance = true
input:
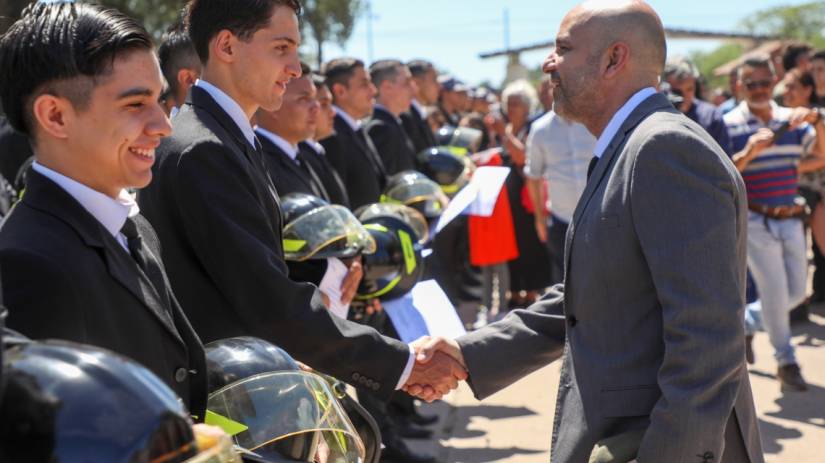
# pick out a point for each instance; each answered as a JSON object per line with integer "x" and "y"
{"x": 317, "y": 185}
{"x": 372, "y": 156}
{"x": 592, "y": 166}
{"x": 145, "y": 260}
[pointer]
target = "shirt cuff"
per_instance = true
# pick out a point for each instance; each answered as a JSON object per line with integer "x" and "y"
{"x": 407, "y": 370}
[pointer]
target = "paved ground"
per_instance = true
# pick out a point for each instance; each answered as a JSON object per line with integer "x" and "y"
{"x": 514, "y": 425}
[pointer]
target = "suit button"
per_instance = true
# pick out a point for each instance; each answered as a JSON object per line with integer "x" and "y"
{"x": 707, "y": 457}
{"x": 572, "y": 320}
{"x": 356, "y": 376}
{"x": 376, "y": 386}
{"x": 181, "y": 374}
{"x": 368, "y": 383}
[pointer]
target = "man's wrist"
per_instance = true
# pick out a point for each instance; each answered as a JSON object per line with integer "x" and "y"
{"x": 405, "y": 375}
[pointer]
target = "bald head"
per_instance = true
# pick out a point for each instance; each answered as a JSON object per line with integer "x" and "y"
{"x": 632, "y": 22}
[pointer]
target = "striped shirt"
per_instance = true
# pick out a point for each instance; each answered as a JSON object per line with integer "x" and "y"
{"x": 771, "y": 178}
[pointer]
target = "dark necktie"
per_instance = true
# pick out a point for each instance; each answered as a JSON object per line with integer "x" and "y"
{"x": 317, "y": 185}
{"x": 372, "y": 156}
{"x": 144, "y": 258}
{"x": 592, "y": 166}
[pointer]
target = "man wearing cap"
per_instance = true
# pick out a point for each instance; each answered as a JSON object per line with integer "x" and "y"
{"x": 453, "y": 99}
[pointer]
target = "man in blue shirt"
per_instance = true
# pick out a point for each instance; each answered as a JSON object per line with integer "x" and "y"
{"x": 682, "y": 76}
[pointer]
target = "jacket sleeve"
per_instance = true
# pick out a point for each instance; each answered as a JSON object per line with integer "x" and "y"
{"x": 230, "y": 233}
{"x": 504, "y": 352}
{"x": 686, "y": 207}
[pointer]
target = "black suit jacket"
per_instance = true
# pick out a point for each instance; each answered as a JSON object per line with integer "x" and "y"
{"x": 65, "y": 276}
{"x": 328, "y": 175}
{"x": 418, "y": 130}
{"x": 391, "y": 141}
{"x": 14, "y": 151}
{"x": 218, "y": 217}
{"x": 287, "y": 176}
{"x": 357, "y": 162}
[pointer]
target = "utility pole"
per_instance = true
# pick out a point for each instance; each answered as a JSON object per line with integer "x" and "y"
{"x": 506, "y": 20}
{"x": 370, "y": 44}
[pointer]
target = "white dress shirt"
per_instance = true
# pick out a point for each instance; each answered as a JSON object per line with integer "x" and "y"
{"x": 230, "y": 107}
{"x": 419, "y": 108}
{"x": 285, "y": 146}
{"x": 111, "y": 213}
{"x": 560, "y": 151}
{"x": 354, "y": 124}
{"x": 618, "y": 119}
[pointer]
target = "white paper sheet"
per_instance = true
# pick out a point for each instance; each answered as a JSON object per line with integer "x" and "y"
{"x": 331, "y": 286}
{"x": 426, "y": 310}
{"x": 478, "y": 197}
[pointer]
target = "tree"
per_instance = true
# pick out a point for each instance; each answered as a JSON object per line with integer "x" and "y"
{"x": 706, "y": 62}
{"x": 330, "y": 20}
{"x": 803, "y": 22}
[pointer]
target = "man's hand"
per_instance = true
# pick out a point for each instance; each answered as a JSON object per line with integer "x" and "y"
{"x": 802, "y": 115}
{"x": 757, "y": 142}
{"x": 438, "y": 368}
{"x": 350, "y": 284}
{"x": 541, "y": 228}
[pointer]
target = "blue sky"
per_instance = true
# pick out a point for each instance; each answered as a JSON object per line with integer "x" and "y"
{"x": 452, "y": 33}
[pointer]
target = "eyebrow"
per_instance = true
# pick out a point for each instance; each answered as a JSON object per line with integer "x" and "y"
{"x": 133, "y": 92}
{"x": 290, "y": 40}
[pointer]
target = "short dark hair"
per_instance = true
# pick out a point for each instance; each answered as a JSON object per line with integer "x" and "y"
{"x": 340, "y": 70}
{"x": 61, "y": 48}
{"x": 385, "y": 69}
{"x": 792, "y": 53}
{"x": 419, "y": 67}
{"x": 305, "y": 69}
{"x": 175, "y": 53}
{"x": 204, "y": 19}
{"x": 319, "y": 80}
{"x": 820, "y": 54}
{"x": 758, "y": 61}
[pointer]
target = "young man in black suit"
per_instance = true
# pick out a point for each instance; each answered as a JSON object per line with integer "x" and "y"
{"x": 280, "y": 133}
{"x": 217, "y": 212}
{"x": 427, "y": 88}
{"x": 79, "y": 262}
{"x": 395, "y": 94}
{"x": 350, "y": 150}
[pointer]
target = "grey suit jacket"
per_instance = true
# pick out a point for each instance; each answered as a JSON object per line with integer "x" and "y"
{"x": 649, "y": 319}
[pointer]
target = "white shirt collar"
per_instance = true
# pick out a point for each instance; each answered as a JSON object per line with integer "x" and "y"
{"x": 355, "y": 125}
{"x": 230, "y": 107}
{"x": 419, "y": 108}
{"x": 618, "y": 119}
{"x": 285, "y": 146}
{"x": 315, "y": 146}
{"x": 111, "y": 213}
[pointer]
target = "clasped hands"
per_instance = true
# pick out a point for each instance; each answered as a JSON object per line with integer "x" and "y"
{"x": 439, "y": 366}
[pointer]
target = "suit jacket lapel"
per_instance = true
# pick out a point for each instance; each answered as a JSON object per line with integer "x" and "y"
{"x": 604, "y": 166}
{"x": 270, "y": 149}
{"x": 48, "y": 197}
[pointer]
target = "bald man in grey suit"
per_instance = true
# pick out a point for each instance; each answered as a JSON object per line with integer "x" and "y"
{"x": 649, "y": 321}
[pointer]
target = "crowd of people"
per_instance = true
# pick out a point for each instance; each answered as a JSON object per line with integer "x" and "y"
{"x": 156, "y": 199}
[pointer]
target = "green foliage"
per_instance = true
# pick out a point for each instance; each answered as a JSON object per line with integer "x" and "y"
{"x": 330, "y": 21}
{"x": 706, "y": 62}
{"x": 804, "y": 22}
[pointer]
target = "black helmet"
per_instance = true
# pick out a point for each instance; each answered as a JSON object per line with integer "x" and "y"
{"x": 396, "y": 265}
{"x": 447, "y": 166}
{"x": 465, "y": 138}
{"x": 272, "y": 408}
{"x": 69, "y": 402}
{"x": 314, "y": 229}
{"x": 406, "y": 214}
{"x": 415, "y": 190}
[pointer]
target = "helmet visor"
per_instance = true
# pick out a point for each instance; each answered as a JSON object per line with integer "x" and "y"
{"x": 408, "y": 215}
{"x": 467, "y": 137}
{"x": 422, "y": 194}
{"x": 328, "y": 231}
{"x": 286, "y": 416}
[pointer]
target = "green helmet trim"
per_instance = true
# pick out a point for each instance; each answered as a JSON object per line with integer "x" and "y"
{"x": 293, "y": 245}
{"x": 457, "y": 150}
{"x": 409, "y": 252}
{"x": 230, "y": 427}
{"x": 377, "y": 227}
{"x": 392, "y": 284}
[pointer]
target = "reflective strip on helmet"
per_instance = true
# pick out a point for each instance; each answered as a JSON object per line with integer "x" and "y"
{"x": 377, "y": 227}
{"x": 409, "y": 252}
{"x": 392, "y": 284}
{"x": 230, "y": 427}
{"x": 387, "y": 199}
{"x": 458, "y": 150}
{"x": 294, "y": 245}
{"x": 449, "y": 189}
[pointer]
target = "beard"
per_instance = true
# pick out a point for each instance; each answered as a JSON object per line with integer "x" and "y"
{"x": 576, "y": 99}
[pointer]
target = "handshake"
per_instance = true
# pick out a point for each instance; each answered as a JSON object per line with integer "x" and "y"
{"x": 439, "y": 366}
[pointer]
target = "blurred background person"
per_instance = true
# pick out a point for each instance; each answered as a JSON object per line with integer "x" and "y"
{"x": 396, "y": 90}
{"x": 453, "y": 99}
{"x": 426, "y": 88}
{"x": 180, "y": 66}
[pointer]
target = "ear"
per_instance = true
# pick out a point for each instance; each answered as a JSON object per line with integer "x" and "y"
{"x": 222, "y": 46}
{"x": 53, "y": 115}
{"x": 338, "y": 91}
{"x": 187, "y": 78}
{"x": 618, "y": 56}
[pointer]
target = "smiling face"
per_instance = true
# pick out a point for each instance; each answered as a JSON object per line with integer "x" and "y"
{"x": 264, "y": 64}
{"x": 756, "y": 85}
{"x": 111, "y": 142}
{"x": 297, "y": 119}
{"x": 795, "y": 94}
{"x": 574, "y": 69}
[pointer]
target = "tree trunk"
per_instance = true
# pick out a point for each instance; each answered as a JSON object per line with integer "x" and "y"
{"x": 320, "y": 54}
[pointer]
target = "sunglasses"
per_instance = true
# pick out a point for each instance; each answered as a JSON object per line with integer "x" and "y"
{"x": 755, "y": 84}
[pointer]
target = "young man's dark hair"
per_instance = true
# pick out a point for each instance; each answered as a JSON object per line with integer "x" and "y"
{"x": 792, "y": 53}
{"x": 339, "y": 70}
{"x": 205, "y": 18}
{"x": 78, "y": 45}
{"x": 318, "y": 79}
{"x": 176, "y": 52}
{"x": 385, "y": 69}
{"x": 419, "y": 67}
